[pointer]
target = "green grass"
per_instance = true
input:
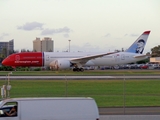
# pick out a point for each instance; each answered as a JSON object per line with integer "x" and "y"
{"x": 107, "y": 93}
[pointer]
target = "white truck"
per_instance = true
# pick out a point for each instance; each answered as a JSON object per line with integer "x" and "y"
{"x": 59, "y": 108}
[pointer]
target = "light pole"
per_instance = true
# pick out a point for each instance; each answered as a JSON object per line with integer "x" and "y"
{"x": 69, "y": 44}
{"x": 8, "y": 85}
{"x": 124, "y": 95}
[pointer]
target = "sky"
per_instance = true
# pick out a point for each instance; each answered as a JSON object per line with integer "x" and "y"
{"x": 91, "y": 25}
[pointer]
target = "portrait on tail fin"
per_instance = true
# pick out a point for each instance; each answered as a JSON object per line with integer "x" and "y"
{"x": 140, "y": 46}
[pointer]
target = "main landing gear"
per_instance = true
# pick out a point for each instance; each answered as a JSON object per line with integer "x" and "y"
{"x": 78, "y": 69}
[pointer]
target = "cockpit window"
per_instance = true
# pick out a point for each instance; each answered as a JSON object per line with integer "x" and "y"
{"x": 8, "y": 57}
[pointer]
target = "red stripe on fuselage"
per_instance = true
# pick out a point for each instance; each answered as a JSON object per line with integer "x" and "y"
{"x": 25, "y": 59}
{"x": 29, "y": 59}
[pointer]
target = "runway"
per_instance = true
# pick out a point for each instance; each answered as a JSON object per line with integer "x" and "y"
{"x": 77, "y": 77}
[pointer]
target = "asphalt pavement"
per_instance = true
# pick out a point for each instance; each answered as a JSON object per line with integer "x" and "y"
{"x": 130, "y": 111}
{"x": 78, "y": 77}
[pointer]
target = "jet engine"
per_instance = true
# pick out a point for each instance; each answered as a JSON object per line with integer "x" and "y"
{"x": 60, "y": 64}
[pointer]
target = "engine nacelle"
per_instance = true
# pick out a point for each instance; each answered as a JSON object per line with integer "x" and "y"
{"x": 60, "y": 64}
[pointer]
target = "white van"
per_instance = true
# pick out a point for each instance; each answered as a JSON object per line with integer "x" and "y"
{"x": 63, "y": 108}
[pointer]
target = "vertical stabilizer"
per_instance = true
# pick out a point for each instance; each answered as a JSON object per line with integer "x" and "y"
{"x": 139, "y": 44}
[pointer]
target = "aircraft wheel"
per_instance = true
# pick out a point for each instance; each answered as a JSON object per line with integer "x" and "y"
{"x": 81, "y": 69}
{"x": 75, "y": 69}
{"x": 78, "y": 69}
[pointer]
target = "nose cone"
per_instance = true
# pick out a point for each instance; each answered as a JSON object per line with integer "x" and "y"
{"x": 7, "y": 62}
{"x": 4, "y": 62}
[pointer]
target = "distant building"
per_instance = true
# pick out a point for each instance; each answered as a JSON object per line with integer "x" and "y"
{"x": 7, "y": 48}
{"x": 37, "y": 45}
{"x": 155, "y": 60}
{"x": 44, "y": 45}
{"x": 47, "y": 45}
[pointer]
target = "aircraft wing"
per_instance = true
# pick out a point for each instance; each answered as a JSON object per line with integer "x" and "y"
{"x": 140, "y": 55}
{"x": 83, "y": 60}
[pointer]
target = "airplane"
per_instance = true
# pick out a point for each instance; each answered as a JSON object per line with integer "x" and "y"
{"x": 78, "y": 60}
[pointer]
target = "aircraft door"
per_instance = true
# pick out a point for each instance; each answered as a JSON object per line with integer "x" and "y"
{"x": 117, "y": 57}
{"x": 122, "y": 57}
{"x": 47, "y": 57}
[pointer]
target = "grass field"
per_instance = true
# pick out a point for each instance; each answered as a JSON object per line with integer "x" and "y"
{"x": 107, "y": 93}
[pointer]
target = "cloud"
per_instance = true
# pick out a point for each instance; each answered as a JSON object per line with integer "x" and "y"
{"x": 131, "y": 35}
{"x": 55, "y": 31}
{"x": 107, "y": 35}
{"x": 87, "y": 47}
{"x": 31, "y": 26}
{"x": 3, "y": 35}
{"x": 66, "y": 35}
{"x": 134, "y": 35}
{"x": 125, "y": 35}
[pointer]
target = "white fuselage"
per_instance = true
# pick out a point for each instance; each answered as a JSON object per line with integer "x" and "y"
{"x": 108, "y": 60}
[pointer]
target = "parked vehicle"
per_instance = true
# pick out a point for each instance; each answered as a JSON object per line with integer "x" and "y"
{"x": 144, "y": 66}
{"x": 66, "y": 108}
{"x": 153, "y": 66}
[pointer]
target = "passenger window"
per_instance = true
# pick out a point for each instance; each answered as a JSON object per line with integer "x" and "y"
{"x": 10, "y": 109}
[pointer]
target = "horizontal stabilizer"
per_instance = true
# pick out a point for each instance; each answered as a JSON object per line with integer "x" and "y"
{"x": 141, "y": 55}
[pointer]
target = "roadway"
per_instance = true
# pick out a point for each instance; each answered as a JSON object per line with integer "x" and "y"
{"x": 77, "y": 77}
{"x": 129, "y": 117}
{"x": 130, "y": 111}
